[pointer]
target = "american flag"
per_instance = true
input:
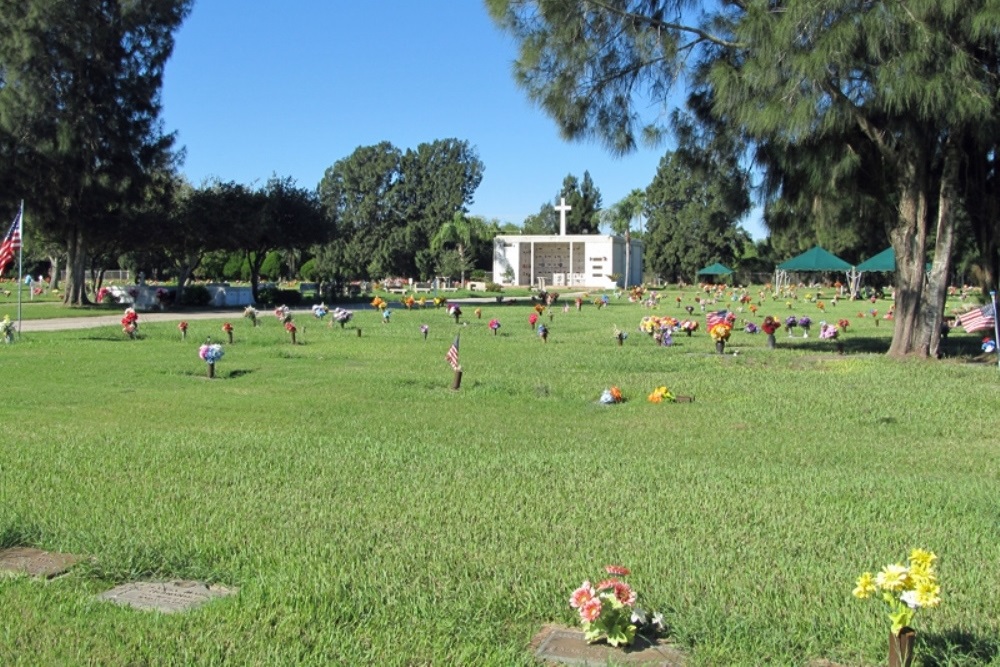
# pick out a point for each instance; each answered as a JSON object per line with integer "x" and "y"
{"x": 11, "y": 243}
{"x": 452, "y": 356}
{"x": 717, "y": 317}
{"x": 980, "y": 318}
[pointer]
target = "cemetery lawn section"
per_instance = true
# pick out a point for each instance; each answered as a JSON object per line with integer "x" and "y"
{"x": 370, "y": 515}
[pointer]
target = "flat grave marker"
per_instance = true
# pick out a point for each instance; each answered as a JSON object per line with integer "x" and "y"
{"x": 568, "y": 647}
{"x": 36, "y": 562}
{"x": 167, "y": 597}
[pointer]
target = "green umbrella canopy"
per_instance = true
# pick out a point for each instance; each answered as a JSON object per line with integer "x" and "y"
{"x": 884, "y": 261}
{"x": 815, "y": 259}
{"x": 715, "y": 270}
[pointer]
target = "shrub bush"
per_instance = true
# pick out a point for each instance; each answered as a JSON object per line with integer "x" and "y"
{"x": 493, "y": 287}
{"x": 272, "y": 296}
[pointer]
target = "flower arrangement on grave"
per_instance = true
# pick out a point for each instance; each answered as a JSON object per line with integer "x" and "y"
{"x": 7, "y": 329}
{"x": 821, "y": 306}
{"x": 753, "y": 309}
{"x": 664, "y": 336}
{"x": 904, "y": 589}
{"x": 479, "y": 313}
{"x": 251, "y": 314}
{"x": 210, "y": 352}
{"x": 532, "y": 319}
{"x": 828, "y": 331}
{"x": 320, "y": 311}
{"x": 130, "y": 322}
{"x": 661, "y": 395}
{"x": 228, "y": 328}
{"x": 342, "y": 316}
{"x": 689, "y": 326}
{"x": 989, "y": 345}
{"x": 162, "y": 295}
{"x": 843, "y": 324}
{"x": 283, "y": 314}
{"x": 291, "y": 329}
{"x": 379, "y": 303}
{"x": 455, "y": 311}
{"x": 543, "y": 332}
{"x": 102, "y": 294}
{"x": 611, "y": 396}
{"x": 424, "y": 329}
{"x": 422, "y": 302}
{"x": 790, "y": 323}
{"x": 439, "y": 301}
{"x": 494, "y": 325}
{"x": 619, "y": 335}
{"x": 720, "y": 332}
{"x": 608, "y": 611}
{"x": 751, "y": 328}
{"x": 409, "y": 302}
{"x": 579, "y": 303}
{"x": 805, "y": 322}
{"x": 539, "y": 308}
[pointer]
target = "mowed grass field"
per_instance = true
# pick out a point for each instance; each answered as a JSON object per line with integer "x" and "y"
{"x": 370, "y": 515}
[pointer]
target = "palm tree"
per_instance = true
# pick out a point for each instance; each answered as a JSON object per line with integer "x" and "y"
{"x": 620, "y": 217}
{"x": 457, "y": 231}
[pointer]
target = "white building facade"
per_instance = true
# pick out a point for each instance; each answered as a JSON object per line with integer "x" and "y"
{"x": 580, "y": 260}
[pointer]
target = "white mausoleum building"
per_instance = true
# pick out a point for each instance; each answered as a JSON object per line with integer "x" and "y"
{"x": 579, "y": 260}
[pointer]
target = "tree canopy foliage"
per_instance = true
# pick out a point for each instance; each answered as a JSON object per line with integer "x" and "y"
{"x": 891, "y": 99}
{"x": 80, "y": 132}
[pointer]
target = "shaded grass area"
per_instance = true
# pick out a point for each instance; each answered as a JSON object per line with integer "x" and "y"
{"x": 372, "y": 516}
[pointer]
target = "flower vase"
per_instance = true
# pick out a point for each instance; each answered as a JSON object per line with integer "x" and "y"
{"x": 621, "y": 340}
{"x": 343, "y": 323}
{"x": 688, "y": 332}
{"x": 901, "y": 647}
{"x": 495, "y": 332}
{"x": 805, "y": 333}
{"x": 720, "y": 346}
{"x": 456, "y": 318}
{"x": 789, "y": 330}
{"x": 230, "y": 334}
{"x": 425, "y": 335}
{"x": 293, "y": 337}
{"x": 211, "y": 370}
{"x": 359, "y": 332}
{"x": 771, "y": 343}
{"x": 184, "y": 334}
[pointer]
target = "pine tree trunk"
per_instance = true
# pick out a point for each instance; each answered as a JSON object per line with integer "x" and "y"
{"x": 936, "y": 292}
{"x": 909, "y": 239}
{"x": 75, "y": 293}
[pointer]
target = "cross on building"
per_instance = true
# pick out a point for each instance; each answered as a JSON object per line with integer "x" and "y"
{"x": 562, "y": 208}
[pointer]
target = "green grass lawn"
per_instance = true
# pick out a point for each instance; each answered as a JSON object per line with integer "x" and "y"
{"x": 369, "y": 515}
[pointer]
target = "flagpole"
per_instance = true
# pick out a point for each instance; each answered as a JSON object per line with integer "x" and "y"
{"x": 20, "y": 269}
{"x": 996, "y": 324}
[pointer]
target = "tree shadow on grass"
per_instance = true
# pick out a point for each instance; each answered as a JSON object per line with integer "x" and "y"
{"x": 958, "y": 647}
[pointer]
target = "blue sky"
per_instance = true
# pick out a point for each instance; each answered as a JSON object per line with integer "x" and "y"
{"x": 290, "y": 87}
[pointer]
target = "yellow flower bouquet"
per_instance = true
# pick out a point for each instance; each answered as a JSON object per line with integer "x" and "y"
{"x": 904, "y": 588}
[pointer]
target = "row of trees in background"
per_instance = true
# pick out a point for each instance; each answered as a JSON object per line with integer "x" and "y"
{"x": 860, "y": 115}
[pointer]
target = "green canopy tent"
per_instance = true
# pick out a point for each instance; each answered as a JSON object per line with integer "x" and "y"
{"x": 884, "y": 261}
{"x": 813, "y": 260}
{"x": 716, "y": 269}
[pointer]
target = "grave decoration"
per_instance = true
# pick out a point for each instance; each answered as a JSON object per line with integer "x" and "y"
{"x": 543, "y": 333}
{"x": 532, "y": 320}
{"x": 183, "y": 328}
{"x": 494, "y": 325}
{"x": 751, "y": 328}
{"x": 843, "y": 324}
{"x": 611, "y": 396}
{"x": 341, "y": 316}
{"x": 688, "y": 326}
{"x": 989, "y": 345}
{"x": 662, "y": 395}
{"x": 479, "y": 313}
{"x": 228, "y": 329}
{"x": 831, "y": 332}
{"x": 320, "y": 311}
{"x": 805, "y": 322}
{"x": 386, "y": 314}
{"x": 291, "y": 329}
{"x": 904, "y": 589}
{"x": 379, "y": 303}
{"x": 455, "y": 311}
{"x": 609, "y": 612}
{"x": 210, "y": 353}
{"x": 283, "y": 314}
{"x": 619, "y": 335}
{"x": 409, "y": 302}
{"x": 424, "y": 329}
{"x": 790, "y": 323}
{"x": 770, "y": 326}
{"x": 720, "y": 334}
{"x": 251, "y": 314}
{"x": 130, "y": 322}
{"x": 7, "y": 329}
